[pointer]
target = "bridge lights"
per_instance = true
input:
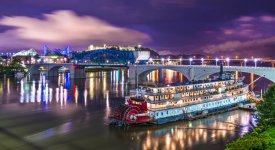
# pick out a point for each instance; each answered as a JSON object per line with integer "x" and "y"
{"x": 227, "y": 60}
{"x": 255, "y": 60}
{"x": 162, "y": 60}
{"x": 169, "y": 61}
{"x": 150, "y": 60}
{"x": 245, "y": 60}
{"x": 190, "y": 59}
{"x": 217, "y": 59}
{"x": 202, "y": 60}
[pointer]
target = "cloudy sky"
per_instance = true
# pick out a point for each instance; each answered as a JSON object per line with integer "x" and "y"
{"x": 211, "y": 27}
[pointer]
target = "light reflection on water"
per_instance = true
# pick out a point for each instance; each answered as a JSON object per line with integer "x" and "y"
{"x": 41, "y": 91}
{"x": 43, "y": 135}
{"x": 192, "y": 134}
{"x": 78, "y": 110}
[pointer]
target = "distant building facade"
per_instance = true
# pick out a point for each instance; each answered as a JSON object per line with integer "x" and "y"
{"x": 114, "y": 54}
{"x": 26, "y": 56}
{"x": 56, "y": 55}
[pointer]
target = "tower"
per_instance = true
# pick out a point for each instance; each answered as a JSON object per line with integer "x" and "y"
{"x": 67, "y": 51}
{"x": 45, "y": 50}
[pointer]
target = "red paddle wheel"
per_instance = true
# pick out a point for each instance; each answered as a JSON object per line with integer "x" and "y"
{"x": 126, "y": 113}
{"x": 130, "y": 113}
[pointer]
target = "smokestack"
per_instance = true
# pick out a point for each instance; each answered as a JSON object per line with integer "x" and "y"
{"x": 221, "y": 70}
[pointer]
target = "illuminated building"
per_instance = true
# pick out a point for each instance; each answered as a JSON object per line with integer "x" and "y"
{"x": 113, "y": 47}
{"x": 26, "y": 56}
{"x": 114, "y": 54}
{"x": 56, "y": 55}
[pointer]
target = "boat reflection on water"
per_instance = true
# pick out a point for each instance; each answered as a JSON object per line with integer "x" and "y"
{"x": 216, "y": 130}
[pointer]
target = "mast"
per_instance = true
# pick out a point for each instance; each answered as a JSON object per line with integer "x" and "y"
{"x": 221, "y": 70}
{"x": 136, "y": 79}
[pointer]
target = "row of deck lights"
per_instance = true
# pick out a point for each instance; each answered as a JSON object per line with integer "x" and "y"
{"x": 202, "y": 60}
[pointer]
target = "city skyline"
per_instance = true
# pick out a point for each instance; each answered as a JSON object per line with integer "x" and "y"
{"x": 171, "y": 27}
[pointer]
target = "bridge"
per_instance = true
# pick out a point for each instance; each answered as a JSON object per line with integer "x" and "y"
{"x": 191, "y": 72}
{"x": 214, "y": 61}
{"x": 76, "y": 70}
{"x": 196, "y": 72}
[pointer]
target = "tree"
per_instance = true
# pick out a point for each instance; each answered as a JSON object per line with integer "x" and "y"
{"x": 266, "y": 109}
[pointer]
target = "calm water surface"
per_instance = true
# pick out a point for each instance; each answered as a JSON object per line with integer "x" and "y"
{"x": 63, "y": 113}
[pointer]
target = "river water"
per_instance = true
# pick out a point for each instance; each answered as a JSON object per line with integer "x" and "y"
{"x": 63, "y": 113}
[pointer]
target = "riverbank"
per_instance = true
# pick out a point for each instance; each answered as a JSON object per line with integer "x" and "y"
{"x": 11, "y": 69}
{"x": 261, "y": 138}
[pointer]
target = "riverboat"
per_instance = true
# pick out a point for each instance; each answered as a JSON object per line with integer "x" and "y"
{"x": 168, "y": 103}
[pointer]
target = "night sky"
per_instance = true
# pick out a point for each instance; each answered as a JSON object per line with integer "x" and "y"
{"x": 210, "y": 27}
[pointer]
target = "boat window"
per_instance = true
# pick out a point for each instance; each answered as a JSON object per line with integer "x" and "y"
{"x": 167, "y": 112}
{"x": 157, "y": 114}
{"x": 162, "y": 113}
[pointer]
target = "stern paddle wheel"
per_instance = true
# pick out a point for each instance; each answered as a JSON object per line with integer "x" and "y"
{"x": 131, "y": 113}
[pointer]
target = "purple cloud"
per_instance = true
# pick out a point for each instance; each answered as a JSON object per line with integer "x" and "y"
{"x": 242, "y": 35}
{"x": 267, "y": 18}
{"x": 245, "y": 19}
{"x": 238, "y": 45}
{"x": 63, "y": 27}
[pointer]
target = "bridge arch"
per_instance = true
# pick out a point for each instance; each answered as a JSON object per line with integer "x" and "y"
{"x": 160, "y": 74}
{"x": 203, "y": 74}
{"x": 54, "y": 71}
{"x": 34, "y": 70}
{"x": 142, "y": 70}
{"x": 200, "y": 72}
{"x": 49, "y": 69}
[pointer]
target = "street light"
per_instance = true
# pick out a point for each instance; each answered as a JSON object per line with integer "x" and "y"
{"x": 180, "y": 60}
{"x": 227, "y": 59}
{"x": 150, "y": 60}
{"x": 168, "y": 59}
{"x": 245, "y": 60}
{"x": 190, "y": 59}
{"x": 202, "y": 59}
{"x": 217, "y": 59}
{"x": 162, "y": 59}
{"x": 255, "y": 60}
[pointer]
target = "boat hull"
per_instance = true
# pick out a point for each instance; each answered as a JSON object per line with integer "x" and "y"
{"x": 184, "y": 116}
